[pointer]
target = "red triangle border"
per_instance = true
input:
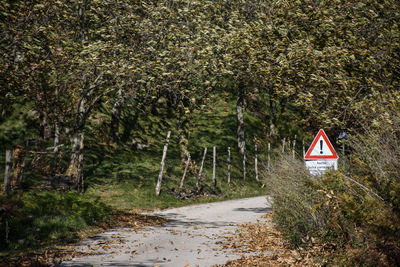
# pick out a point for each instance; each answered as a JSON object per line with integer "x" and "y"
{"x": 314, "y": 143}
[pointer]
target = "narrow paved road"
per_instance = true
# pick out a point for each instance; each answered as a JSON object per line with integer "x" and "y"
{"x": 190, "y": 238}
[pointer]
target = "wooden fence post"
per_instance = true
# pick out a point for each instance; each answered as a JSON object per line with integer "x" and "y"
{"x": 343, "y": 148}
{"x": 158, "y": 186}
{"x": 201, "y": 169}
{"x": 294, "y": 146}
{"x": 7, "y": 231}
{"x": 256, "y": 159}
{"x": 7, "y": 172}
{"x": 283, "y": 145}
{"x": 269, "y": 157}
{"x": 229, "y": 165}
{"x": 184, "y": 173}
{"x": 81, "y": 182}
{"x": 244, "y": 165}
{"x": 214, "y": 182}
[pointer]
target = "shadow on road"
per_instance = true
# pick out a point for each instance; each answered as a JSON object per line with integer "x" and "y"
{"x": 255, "y": 210}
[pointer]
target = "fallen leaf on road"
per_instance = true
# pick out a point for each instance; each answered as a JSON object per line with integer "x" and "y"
{"x": 270, "y": 246}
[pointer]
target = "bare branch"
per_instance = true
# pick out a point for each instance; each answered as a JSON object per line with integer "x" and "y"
{"x": 366, "y": 189}
{"x": 99, "y": 97}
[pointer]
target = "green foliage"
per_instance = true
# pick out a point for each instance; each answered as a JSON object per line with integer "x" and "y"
{"x": 17, "y": 125}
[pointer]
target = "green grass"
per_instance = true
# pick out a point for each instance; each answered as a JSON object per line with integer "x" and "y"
{"x": 47, "y": 217}
{"x": 126, "y": 196}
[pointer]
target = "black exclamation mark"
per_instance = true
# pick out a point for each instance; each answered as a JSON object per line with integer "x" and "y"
{"x": 321, "y": 144}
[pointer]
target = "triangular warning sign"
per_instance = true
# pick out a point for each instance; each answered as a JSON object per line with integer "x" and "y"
{"x": 321, "y": 148}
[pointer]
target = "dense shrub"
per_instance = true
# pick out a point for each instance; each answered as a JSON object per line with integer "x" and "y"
{"x": 356, "y": 209}
{"x": 290, "y": 185}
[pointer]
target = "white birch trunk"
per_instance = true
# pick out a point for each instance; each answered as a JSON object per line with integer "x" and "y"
{"x": 240, "y": 131}
{"x": 76, "y": 162}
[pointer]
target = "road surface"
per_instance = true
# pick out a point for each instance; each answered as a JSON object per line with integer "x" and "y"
{"x": 190, "y": 238}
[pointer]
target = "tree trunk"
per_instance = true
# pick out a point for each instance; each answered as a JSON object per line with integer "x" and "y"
{"x": 57, "y": 135}
{"x": 201, "y": 169}
{"x": 240, "y": 130}
{"x": 83, "y": 6}
{"x": 21, "y": 172}
{"x": 45, "y": 129}
{"x": 57, "y": 128}
{"x": 115, "y": 117}
{"x": 76, "y": 164}
{"x": 240, "y": 125}
{"x": 7, "y": 172}
{"x": 80, "y": 166}
{"x": 19, "y": 159}
{"x": 272, "y": 115}
{"x": 164, "y": 155}
{"x": 75, "y": 169}
{"x": 183, "y": 132}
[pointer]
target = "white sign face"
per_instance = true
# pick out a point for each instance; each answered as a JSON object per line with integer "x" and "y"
{"x": 321, "y": 148}
{"x": 318, "y": 167}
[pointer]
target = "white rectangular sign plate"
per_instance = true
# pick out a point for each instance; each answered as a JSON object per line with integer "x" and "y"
{"x": 318, "y": 167}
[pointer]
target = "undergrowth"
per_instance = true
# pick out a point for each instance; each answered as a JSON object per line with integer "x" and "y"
{"x": 41, "y": 218}
{"x": 353, "y": 211}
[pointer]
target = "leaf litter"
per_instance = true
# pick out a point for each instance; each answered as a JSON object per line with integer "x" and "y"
{"x": 268, "y": 247}
{"x": 53, "y": 256}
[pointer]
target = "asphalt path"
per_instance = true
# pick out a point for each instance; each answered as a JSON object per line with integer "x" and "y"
{"x": 190, "y": 238}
